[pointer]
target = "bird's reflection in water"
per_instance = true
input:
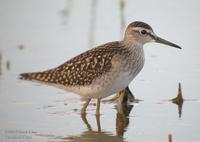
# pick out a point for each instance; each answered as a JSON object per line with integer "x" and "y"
{"x": 99, "y": 135}
{"x": 95, "y": 135}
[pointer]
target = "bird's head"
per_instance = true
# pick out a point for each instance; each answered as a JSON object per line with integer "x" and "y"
{"x": 141, "y": 33}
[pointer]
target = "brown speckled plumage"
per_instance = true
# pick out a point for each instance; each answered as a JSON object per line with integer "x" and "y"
{"x": 82, "y": 69}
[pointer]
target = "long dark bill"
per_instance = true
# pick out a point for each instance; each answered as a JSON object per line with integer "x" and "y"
{"x": 163, "y": 41}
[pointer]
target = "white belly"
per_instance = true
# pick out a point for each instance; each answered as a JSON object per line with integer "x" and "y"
{"x": 106, "y": 88}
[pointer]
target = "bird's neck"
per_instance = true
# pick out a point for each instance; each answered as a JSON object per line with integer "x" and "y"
{"x": 132, "y": 43}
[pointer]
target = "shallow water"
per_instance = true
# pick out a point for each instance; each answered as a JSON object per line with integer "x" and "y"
{"x": 37, "y": 35}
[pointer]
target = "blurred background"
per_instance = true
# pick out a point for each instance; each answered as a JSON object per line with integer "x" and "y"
{"x": 37, "y": 35}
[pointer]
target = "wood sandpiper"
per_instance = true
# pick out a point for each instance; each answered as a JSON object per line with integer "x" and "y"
{"x": 103, "y": 70}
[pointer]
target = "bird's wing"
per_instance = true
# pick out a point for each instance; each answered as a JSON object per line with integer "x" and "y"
{"x": 80, "y": 70}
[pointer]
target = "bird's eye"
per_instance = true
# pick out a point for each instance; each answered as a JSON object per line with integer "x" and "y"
{"x": 143, "y": 32}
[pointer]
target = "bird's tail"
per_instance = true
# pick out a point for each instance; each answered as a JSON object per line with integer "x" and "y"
{"x": 48, "y": 76}
{"x": 37, "y": 76}
{"x": 29, "y": 76}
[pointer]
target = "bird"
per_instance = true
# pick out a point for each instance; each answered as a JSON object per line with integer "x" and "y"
{"x": 103, "y": 70}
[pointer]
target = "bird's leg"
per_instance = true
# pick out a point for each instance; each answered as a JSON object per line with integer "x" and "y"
{"x": 98, "y": 106}
{"x": 83, "y": 109}
{"x": 83, "y": 116}
{"x": 98, "y": 123}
